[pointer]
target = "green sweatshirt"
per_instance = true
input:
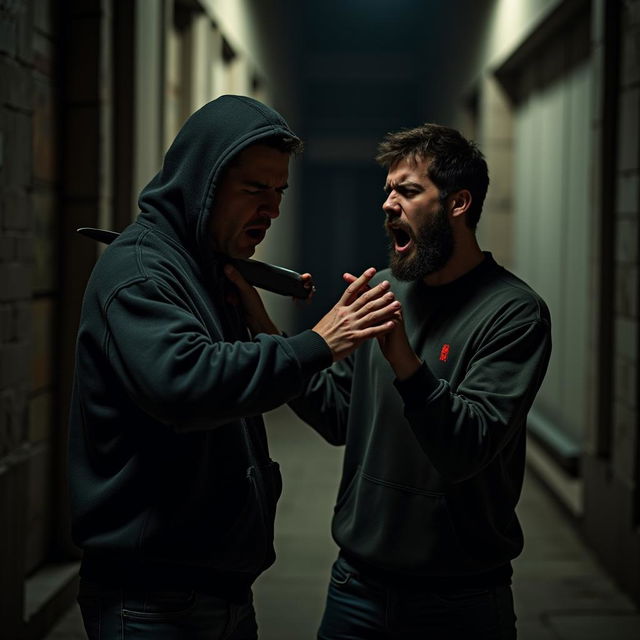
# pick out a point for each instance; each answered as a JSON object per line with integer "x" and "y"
{"x": 434, "y": 465}
{"x": 170, "y": 477}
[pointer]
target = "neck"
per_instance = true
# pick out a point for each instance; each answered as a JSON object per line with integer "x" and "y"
{"x": 466, "y": 256}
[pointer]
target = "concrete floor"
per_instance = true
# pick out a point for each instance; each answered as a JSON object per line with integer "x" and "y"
{"x": 560, "y": 591}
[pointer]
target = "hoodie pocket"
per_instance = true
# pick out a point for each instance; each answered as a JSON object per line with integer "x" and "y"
{"x": 266, "y": 482}
{"x": 397, "y": 527}
{"x": 249, "y": 541}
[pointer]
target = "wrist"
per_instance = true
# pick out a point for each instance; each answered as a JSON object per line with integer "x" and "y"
{"x": 404, "y": 368}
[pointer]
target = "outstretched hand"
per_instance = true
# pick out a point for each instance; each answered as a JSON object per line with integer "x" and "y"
{"x": 360, "y": 314}
{"x": 394, "y": 344}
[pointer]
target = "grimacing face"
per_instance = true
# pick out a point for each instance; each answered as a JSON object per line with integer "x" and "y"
{"x": 248, "y": 199}
{"x": 417, "y": 222}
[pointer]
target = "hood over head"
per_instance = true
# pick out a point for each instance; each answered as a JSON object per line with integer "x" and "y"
{"x": 179, "y": 199}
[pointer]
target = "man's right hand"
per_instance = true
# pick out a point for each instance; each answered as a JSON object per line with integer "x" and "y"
{"x": 395, "y": 345}
{"x": 358, "y": 316}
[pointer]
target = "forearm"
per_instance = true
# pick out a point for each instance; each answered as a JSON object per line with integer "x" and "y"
{"x": 324, "y": 404}
{"x": 406, "y": 365}
{"x": 201, "y": 386}
{"x": 463, "y": 429}
{"x": 460, "y": 433}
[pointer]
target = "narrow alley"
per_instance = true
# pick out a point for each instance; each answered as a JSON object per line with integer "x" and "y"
{"x": 560, "y": 591}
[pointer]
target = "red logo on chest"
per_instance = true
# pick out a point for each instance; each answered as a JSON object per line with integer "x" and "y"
{"x": 444, "y": 352}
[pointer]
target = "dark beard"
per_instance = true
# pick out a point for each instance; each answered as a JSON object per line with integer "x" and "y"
{"x": 433, "y": 246}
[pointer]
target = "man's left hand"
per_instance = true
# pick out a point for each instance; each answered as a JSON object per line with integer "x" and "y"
{"x": 258, "y": 319}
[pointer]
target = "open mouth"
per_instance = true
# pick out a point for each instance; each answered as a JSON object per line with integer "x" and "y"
{"x": 402, "y": 239}
{"x": 256, "y": 234}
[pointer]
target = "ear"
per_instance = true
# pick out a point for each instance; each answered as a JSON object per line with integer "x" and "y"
{"x": 460, "y": 201}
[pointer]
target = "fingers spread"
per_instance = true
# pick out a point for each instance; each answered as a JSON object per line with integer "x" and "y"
{"x": 378, "y": 310}
{"x": 349, "y": 278}
{"x": 372, "y": 294}
{"x": 376, "y": 316}
{"x": 375, "y": 303}
{"x": 351, "y": 292}
{"x": 376, "y": 330}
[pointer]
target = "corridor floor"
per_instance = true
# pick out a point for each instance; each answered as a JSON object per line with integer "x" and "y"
{"x": 560, "y": 591}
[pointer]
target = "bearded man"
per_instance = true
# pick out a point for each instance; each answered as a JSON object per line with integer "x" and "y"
{"x": 433, "y": 415}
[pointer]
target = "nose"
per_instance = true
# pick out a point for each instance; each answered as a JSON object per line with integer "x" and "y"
{"x": 390, "y": 205}
{"x": 271, "y": 204}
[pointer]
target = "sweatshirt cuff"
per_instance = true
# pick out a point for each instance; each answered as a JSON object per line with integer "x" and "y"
{"x": 416, "y": 389}
{"x": 312, "y": 351}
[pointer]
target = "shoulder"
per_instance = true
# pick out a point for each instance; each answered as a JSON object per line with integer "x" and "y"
{"x": 515, "y": 297}
{"x": 139, "y": 256}
{"x": 514, "y": 288}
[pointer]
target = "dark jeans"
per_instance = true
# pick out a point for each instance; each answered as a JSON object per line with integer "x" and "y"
{"x": 121, "y": 614}
{"x": 363, "y": 608}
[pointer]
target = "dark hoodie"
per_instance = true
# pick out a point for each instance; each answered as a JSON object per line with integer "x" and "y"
{"x": 170, "y": 476}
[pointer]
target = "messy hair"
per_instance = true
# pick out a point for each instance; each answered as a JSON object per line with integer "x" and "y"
{"x": 453, "y": 162}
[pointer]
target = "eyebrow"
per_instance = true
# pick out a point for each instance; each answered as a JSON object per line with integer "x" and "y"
{"x": 407, "y": 183}
{"x": 261, "y": 185}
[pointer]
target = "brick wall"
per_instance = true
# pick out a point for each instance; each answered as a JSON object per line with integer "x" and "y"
{"x": 16, "y": 269}
{"x": 28, "y": 289}
{"x": 16, "y": 244}
{"x": 41, "y": 433}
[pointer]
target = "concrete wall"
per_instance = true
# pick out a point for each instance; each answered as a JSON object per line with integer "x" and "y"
{"x": 606, "y": 497}
{"x": 612, "y": 463}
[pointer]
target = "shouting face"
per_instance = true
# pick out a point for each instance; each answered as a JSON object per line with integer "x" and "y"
{"x": 248, "y": 199}
{"x": 417, "y": 222}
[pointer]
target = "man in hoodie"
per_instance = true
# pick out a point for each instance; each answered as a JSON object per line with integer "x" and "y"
{"x": 433, "y": 415}
{"x": 173, "y": 492}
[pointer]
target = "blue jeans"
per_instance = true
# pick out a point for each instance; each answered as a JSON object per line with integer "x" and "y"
{"x": 363, "y": 608}
{"x": 121, "y": 614}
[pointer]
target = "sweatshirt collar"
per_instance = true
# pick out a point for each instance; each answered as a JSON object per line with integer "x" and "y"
{"x": 467, "y": 281}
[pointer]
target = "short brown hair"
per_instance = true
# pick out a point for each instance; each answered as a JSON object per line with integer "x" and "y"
{"x": 454, "y": 162}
